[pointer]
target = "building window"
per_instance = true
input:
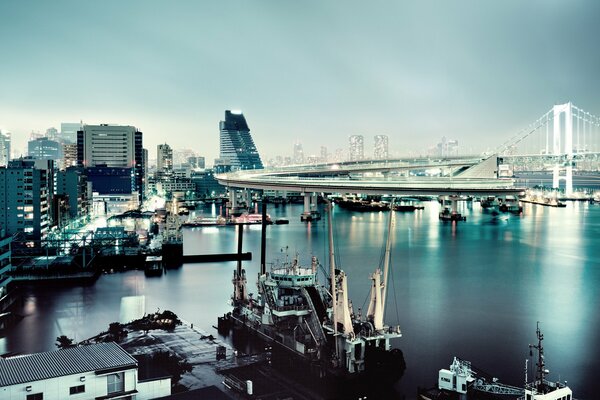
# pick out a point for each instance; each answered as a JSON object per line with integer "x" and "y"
{"x": 35, "y": 396}
{"x": 116, "y": 383}
{"x": 77, "y": 389}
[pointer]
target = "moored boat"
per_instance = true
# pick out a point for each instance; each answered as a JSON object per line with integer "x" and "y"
{"x": 315, "y": 322}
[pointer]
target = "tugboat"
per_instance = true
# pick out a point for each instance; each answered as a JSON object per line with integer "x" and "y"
{"x": 317, "y": 323}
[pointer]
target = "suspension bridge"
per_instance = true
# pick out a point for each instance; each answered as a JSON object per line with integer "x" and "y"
{"x": 561, "y": 139}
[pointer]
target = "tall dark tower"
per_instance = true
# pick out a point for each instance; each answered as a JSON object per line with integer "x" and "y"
{"x": 237, "y": 147}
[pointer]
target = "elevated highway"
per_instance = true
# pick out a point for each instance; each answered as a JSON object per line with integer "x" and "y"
{"x": 475, "y": 177}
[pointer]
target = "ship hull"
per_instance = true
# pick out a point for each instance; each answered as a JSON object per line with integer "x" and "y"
{"x": 382, "y": 368}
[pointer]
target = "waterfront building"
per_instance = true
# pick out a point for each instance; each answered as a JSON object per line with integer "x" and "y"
{"x": 237, "y": 147}
{"x": 380, "y": 149}
{"x": 24, "y": 195}
{"x": 357, "y": 147}
{"x": 44, "y": 148}
{"x": 298, "y": 153}
{"x": 112, "y": 146}
{"x": 164, "y": 158}
{"x": 4, "y": 148}
{"x": 206, "y": 185}
{"x": 96, "y": 371}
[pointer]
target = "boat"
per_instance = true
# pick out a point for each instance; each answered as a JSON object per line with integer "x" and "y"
{"x": 462, "y": 381}
{"x": 282, "y": 221}
{"x": 408, "y": 207}
{"x": 243, "y": 219}
{"x": 363, "y": 205}
{"x": 314, "y": 321}
{"x": 447, "y": 215}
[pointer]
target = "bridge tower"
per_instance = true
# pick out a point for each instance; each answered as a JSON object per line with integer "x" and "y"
{"x": 563, "y": 148}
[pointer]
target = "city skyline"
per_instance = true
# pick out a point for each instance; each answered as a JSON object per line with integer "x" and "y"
{"x": 477, "y": 73}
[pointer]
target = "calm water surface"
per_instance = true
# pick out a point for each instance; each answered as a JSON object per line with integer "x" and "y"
{"x": 473, "y": 290}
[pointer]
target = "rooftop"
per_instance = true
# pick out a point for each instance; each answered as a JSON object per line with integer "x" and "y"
{"x": 34, "y": 367}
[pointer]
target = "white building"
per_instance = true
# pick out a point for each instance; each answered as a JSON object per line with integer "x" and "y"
{"x": 380, "y": 149}
{"x": 97, "y": 371}
{"x": 357, "y": 147}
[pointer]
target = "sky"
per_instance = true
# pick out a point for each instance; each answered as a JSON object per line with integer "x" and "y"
{"x": 309, "y": 71}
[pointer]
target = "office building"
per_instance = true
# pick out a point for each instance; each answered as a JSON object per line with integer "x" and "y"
{"x": 44, "y": 149}
{"x": 24, "y": 198}
{"x": 237, "y": 148}
{"x": 380, "y": 148}
{"x": 4, "y": 148}
{"x": 112, "y": 146}
{"x": 357, "y": 148}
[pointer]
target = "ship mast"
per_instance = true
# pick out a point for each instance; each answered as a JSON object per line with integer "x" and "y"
{"x": 332, "y": 274}
{"x": 541, "y": 370}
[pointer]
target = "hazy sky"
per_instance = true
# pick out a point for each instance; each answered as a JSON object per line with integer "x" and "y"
{"x": 315, "y": 71}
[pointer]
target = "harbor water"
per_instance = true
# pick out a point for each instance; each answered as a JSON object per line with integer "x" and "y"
{"x": 471, "y": 289}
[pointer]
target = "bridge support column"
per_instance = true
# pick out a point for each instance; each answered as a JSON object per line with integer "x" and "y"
{"x": 563, "y": 148}
{"x": 233, "y": 202}
{"x": 310, "y": 208}
{"x": 450, "y": 212}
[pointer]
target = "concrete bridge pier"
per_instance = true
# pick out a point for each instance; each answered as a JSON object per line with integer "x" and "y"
{"x": 310, "y": 208}
{"x": 449, "y": 210}
{"x": 234, "y": 208}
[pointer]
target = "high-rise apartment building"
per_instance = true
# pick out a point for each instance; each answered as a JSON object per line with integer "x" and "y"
{"x": 237, "y": 148}
{"x": 24, "y": 199}
{"x": 357, "y": 147}
{"x": 324, "y": 154}
{"x": 4, "y": 148}
{"x": 447, "y": 147}
{"x": 69, "y": 152}
{"x": 112, "y": 146}
{"x": 380, "y": 148}
{"x": 164, "y": 158}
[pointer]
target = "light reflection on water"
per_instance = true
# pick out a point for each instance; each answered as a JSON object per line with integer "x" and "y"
{"x": 473, "y": 289}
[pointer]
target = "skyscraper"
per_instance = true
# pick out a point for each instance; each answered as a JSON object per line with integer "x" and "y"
{"x": 4, "y": 148}
{"x": 237, "y": 147}
{"x": 357, "y": 147}
{"x": 380, "y": 149}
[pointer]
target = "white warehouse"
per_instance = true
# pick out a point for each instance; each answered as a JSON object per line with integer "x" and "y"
{"x": 97, "y": 371}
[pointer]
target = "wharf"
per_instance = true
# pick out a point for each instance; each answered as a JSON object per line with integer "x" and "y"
{"x": 200, "y": 350}
{"x": 544, "y": 202}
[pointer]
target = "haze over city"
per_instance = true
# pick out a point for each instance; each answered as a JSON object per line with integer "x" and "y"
{"x": 314, "y": 72}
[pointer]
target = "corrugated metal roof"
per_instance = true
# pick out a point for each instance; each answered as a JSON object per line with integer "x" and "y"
{"x": 52, "y": 364}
